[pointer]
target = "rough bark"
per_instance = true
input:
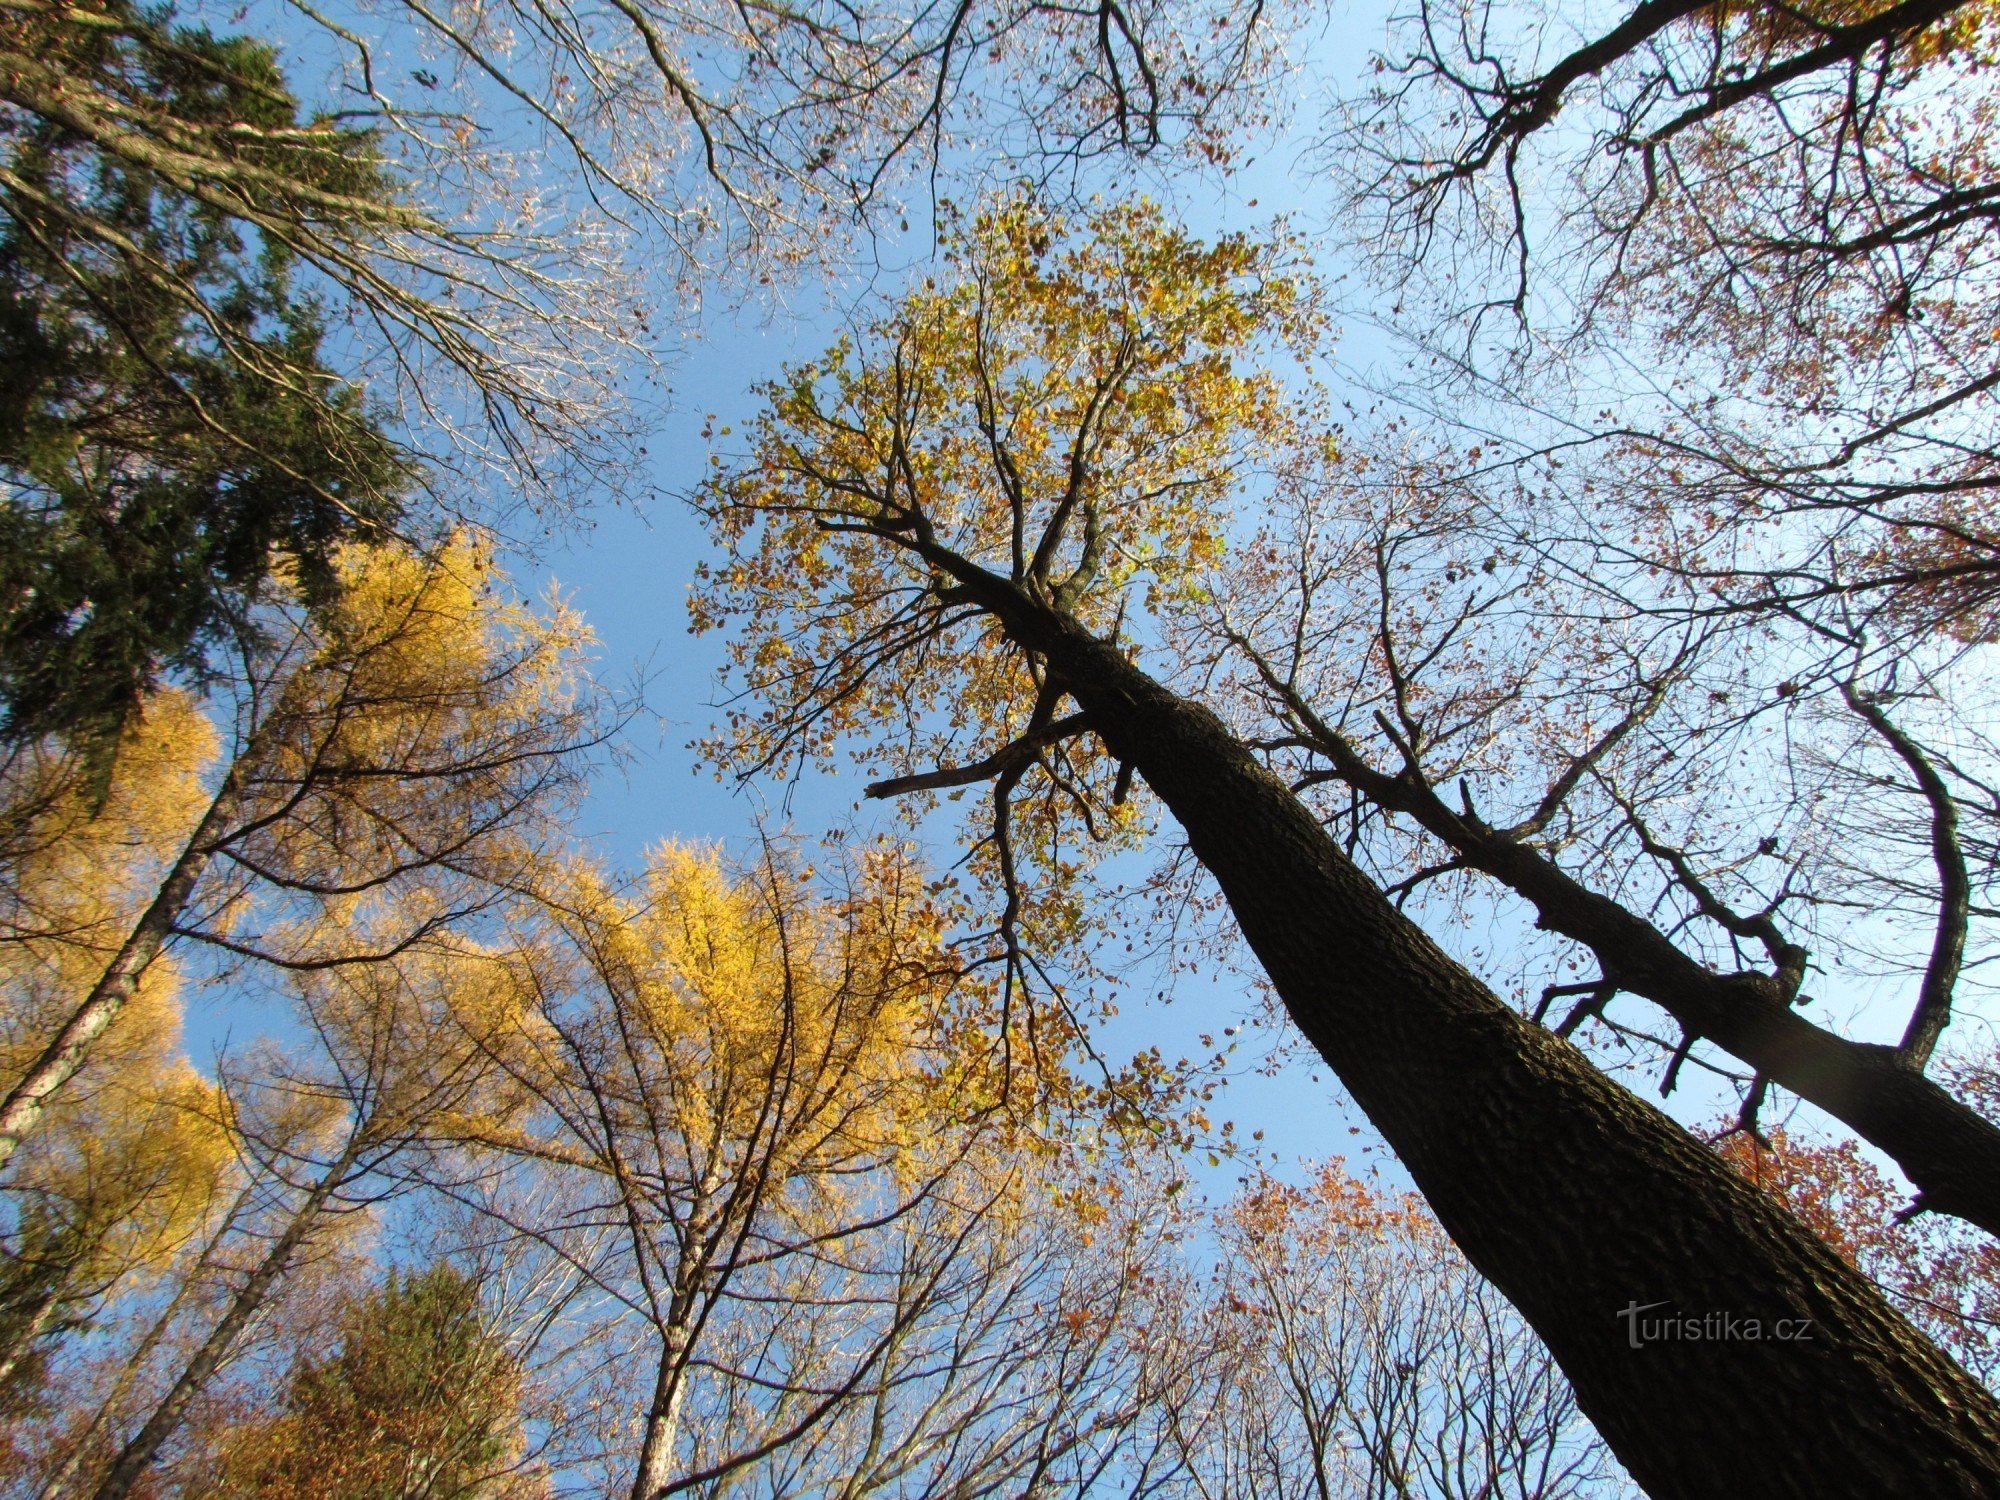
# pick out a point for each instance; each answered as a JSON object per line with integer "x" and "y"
{"x": 663, "y": 1416}
{"x": 1947, "y": 1149}
{"x": 1575, "y": 1197}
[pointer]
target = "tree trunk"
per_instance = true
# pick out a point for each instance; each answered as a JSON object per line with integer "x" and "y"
{"x": 82, "y": 1443}
{"x": 1947, "y": 1149}
{"x": 1598, "y": 1216}
{"x": 31, "y": 1328}
{"x": 663, "y": 1415}
{"x": 22, "y": 1110}
{"x": 137, "y": 1456}
{"x": 70, "y": 1048}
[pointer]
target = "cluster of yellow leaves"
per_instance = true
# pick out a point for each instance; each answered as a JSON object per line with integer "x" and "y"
{"x": 129, "y": 1160}
{"x": 1064, "y": 412}
{"x": 816, "y": 1036}
{"x": 431, "y": 716}
{"x": 78, "y": 860}
{"x": 433, "y": 626}
{"x": 404, "y": 750}
{"x": 1066, "y": 406}
{"x": 409, "y": 775}
{"x": 132, "y": 1157}
{"x": 417, "y": 1042}
{"x": 762, "y": 1025}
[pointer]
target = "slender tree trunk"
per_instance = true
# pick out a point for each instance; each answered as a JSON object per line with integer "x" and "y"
{"x": 58, "y": 1481}
{"x": 677, "y": 1332}
{"x": 137, "y": 1455}
{"x": 1598, "y": 1216}
{"x": 663, "y": 1415}
{"x": 26, "y": 1102}
{"x": 30, "y": 1329}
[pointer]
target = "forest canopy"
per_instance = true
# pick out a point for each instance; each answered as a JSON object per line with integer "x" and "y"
{"x": 1559, "y": 709}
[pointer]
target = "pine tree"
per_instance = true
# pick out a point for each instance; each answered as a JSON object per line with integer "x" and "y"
{"x": 170, "y": 435}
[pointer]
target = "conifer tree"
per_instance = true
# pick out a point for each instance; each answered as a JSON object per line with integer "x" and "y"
{"x": 421, "y": 1401}
{"x": 170, "y": 434}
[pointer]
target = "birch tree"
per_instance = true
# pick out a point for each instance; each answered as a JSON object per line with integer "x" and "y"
{"x": 132, "y": 1170}
{"x": 401, "y": 1061}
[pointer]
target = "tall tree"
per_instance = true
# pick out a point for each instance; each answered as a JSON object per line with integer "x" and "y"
{"x": 1692, "y": 605}
{"x": 953, "y": 508}
{"x": 417, "y": 737}
{"x": 397, "y": 1061}
{"x": 132, "y": 1168}
{"x": 1477, "y": 698}
{"x": 421, "y": 1400}
{"x": 779, "y": 1125}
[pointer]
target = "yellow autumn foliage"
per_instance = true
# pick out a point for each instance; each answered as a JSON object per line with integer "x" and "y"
{"x": 79, "y": 861}
{"x": 1054, "y": 432}
{"x": 132, "y": 1157}
{"x": 417, "y": 1042}
{"x": 714, "y": 1028}
{"x": 1968, "y": 34}
{"x": 435, "y": 713}
{"x": 1069, "y": 407}
{"x": 396, "y": 757}
{"x": 757, "y": 1023}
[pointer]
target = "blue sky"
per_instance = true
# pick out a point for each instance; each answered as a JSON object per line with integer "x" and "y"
{"x": 628, "y": 566}
{"x": 629, "y": 569}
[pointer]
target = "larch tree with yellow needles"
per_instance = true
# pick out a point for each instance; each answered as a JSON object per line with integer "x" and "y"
{"x": 418, "y": 737}
{"x": 133, "y": 1166}
{"x": 400, "y": 763}
{"x": 401, "y": 1060}
{"x": 813, "y": 1202}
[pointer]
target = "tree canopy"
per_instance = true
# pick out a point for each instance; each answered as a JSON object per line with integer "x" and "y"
{"x": 420, "y": 1399}
{"x": 1595, "y": 703}
{"x": 870, "y": 564}
{"x": 170, "y": 432}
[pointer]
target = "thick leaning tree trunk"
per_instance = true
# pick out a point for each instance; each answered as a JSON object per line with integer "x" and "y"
{"x": 1948, "y": 1150}
{"x": 1579, "y": 1200}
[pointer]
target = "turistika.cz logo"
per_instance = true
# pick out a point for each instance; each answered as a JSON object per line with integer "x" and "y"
{"x": 1707, "y": 1328}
